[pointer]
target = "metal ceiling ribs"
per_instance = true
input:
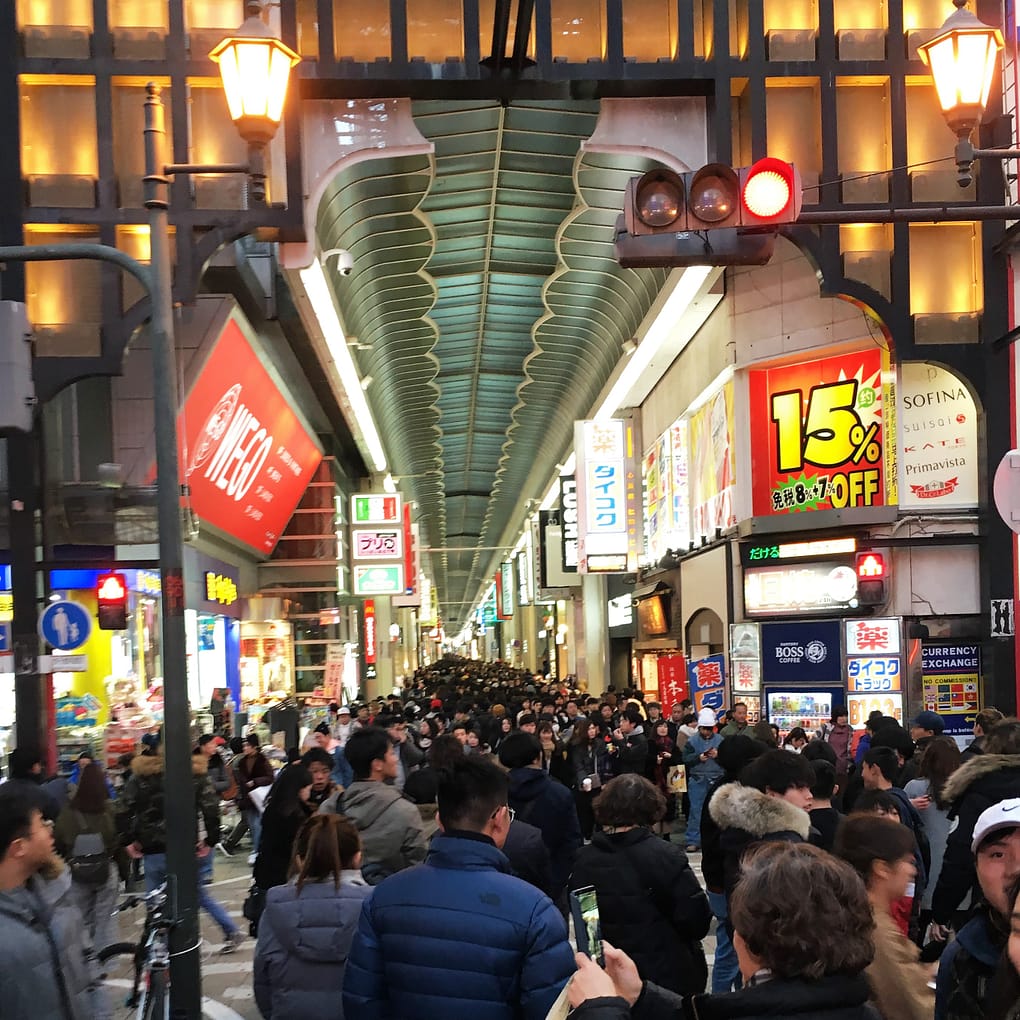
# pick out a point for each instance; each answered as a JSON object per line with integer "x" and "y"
{"x": 487, "y": 290}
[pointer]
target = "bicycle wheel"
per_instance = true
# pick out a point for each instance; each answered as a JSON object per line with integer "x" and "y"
{"x": 117, "y": 969}
{"x": 157, "y": 999}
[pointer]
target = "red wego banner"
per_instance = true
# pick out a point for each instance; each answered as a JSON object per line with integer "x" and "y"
{"x": 245, "y": 455}
{"x": 820, "y": 441}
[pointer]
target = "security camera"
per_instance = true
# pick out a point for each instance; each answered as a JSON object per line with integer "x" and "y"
{"x": 344, "y": 260}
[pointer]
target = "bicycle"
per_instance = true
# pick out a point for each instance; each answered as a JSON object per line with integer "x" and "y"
{"x": 143, "y": 967}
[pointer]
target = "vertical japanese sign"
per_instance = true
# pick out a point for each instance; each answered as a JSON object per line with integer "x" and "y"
{"x": 712, "y": 463}
{"x": 369, "y": 632}
{"x": 568, "y": 522}
{"x": 658, "y": 486}
{"x": 506, "y": 590}
{"x": 708, "y": 682}
{"x": 820, "y": 444}
{"x": 745, "y": 658}
{"x": 672, "y": 681}
{"x": 680, "y": 519}
{"x": 608, "y": 496}
{"x": 874, "y": 680}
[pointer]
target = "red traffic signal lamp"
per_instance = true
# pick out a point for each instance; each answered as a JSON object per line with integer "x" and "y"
{"x": 872, "y": 578}
{"x": 765, "y": 194}
{"x": 111, "y": 597}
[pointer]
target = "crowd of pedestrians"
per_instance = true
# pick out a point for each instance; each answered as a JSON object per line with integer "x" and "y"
{"x": 416, "y": 858}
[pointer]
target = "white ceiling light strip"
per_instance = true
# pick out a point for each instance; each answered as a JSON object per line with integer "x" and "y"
{"x": 320, "y": 297}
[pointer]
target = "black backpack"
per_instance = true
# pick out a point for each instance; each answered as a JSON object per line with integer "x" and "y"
{"x": 89, "y": 862}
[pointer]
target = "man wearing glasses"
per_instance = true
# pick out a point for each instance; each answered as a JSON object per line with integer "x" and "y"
{"x": 45, "y": 968}
{"x": 494, "y": 947}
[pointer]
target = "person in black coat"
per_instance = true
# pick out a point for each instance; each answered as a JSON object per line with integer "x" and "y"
{"x": 286, "y": 811}
{"x": 783, "y": 890}
{"x": 630, "y": 744}
{"x": 541, "y": 802}
{"x": 650, "y": 902}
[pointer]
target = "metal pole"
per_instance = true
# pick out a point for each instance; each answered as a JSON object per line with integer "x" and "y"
{"x": 179, "y": 798}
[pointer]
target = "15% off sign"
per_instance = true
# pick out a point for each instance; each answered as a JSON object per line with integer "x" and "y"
{"x": 823, "y": 447}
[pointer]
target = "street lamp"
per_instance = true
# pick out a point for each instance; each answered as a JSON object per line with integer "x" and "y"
{"x": 255, "y": 69}
{"x": 963, "y": 56}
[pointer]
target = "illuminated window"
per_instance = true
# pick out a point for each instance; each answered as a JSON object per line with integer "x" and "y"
{"x": 59, "y": 157}
{"x": 128, "y": 138}
{"x": 650, "y": 30}
{"x": 361, "y": 30}
{"x": 64, "y": 297}
{"x": 139, "y": 28}
{"x": 945, "y": 268}
{"x": 435, "y": 30}
{"x": 55, "y": 28}
{"x": 215, "y": 140}
{"x": 794, "y": 120}
{"x": 578, "y": 30}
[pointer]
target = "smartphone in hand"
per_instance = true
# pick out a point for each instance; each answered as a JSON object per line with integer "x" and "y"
{"x": 584, "y": 910}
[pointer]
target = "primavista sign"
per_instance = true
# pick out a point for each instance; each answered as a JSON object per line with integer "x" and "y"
{"x": 246, "y": 456}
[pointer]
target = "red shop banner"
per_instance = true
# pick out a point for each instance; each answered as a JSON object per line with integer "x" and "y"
{"x": 245, "y": 455}
{"x": 672, "y": 681}
{"x": 818, "y": 434}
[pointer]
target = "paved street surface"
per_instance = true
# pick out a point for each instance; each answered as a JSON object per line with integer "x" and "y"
{"x": 226, "y": 980}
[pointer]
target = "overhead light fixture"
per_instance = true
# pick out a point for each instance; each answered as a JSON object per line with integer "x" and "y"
{"x": 630, "y": 345}
{"x": 320, "y": 298}
{"x": 367, "y": 381}
{"x": 676, "y": 305}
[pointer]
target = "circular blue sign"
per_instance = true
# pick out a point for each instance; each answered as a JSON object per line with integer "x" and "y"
{"x": 65, "y": 625}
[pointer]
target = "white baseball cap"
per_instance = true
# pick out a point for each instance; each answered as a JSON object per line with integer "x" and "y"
{"x": 706, "y": 717}
{"x": 1004, "y": 815}
{"x": 344, "y": 710}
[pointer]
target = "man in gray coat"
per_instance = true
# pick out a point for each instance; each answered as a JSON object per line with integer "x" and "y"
{"x": 46, "y": 964}
{"x": 392, "y": 836}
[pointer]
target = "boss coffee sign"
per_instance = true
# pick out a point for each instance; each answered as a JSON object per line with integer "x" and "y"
{"x": 245, "y": 455}
{"x": 801, "y": 652}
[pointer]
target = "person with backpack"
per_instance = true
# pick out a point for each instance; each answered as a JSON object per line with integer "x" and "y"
{"x": 85, "y": 835}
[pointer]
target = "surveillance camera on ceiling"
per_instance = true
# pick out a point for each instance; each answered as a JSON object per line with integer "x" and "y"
{"x": 344, "y": 260}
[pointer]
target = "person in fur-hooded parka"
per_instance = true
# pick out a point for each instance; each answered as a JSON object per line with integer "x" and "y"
{"x": 978, "y": 784}
{"x": 769, "y": 804}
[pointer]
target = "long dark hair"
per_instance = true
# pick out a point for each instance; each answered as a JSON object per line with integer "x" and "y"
{"x": 939, "y": 760}
{"x": 284, "y": 799}
{"x": 91, "y": 796}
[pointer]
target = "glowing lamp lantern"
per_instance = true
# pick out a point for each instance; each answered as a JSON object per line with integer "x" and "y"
{"x": 255, "y": 68}
{"x": 962, "y": 58}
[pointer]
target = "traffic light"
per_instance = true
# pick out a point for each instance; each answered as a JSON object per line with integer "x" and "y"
{"x": 872, "y": 578}
{"x": 17, "y": 390}
{"x": 717, "y": 215}
{"x": 766, "y": 194}
{"x": 111, "y": 596}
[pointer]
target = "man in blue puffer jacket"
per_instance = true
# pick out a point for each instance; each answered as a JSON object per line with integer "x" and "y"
{"x": 459, "y": 937}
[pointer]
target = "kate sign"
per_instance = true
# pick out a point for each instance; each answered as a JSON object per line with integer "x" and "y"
{"x": 939, "y": 448}
{"x": 821, "y": 445}
{"x": 247, "y": 458}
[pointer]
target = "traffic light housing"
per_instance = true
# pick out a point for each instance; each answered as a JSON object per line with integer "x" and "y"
{"x": 872, "y": 578}
{"x": 717, "y": 215}
{"x": 111, "y": 598}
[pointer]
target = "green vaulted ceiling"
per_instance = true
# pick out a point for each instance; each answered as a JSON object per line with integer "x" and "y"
{"x": 489, "y": 311}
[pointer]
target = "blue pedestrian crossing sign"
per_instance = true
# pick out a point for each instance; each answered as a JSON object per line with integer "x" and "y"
{"x": 65, "y": 625}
